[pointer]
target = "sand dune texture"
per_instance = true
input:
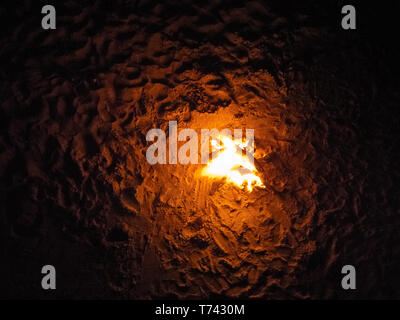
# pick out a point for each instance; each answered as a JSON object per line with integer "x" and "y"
{"x": 78, "y": 193}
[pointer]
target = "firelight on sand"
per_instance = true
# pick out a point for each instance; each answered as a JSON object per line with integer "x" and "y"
{"x": 231, "y": 164}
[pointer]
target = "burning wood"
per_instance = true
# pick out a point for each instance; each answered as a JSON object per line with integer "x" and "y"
{"x": 230, "y": 163}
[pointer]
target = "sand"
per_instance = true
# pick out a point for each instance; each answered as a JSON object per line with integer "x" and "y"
{"x": 78, "y": 193}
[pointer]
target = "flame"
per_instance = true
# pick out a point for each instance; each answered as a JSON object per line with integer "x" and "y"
{"x": 231, "y": 164}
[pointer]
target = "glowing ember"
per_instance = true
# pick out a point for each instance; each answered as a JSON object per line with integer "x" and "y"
{"x": 232, "y": 164}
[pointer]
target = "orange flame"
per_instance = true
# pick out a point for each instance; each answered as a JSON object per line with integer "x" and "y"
{"x": 231, "y": 164}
